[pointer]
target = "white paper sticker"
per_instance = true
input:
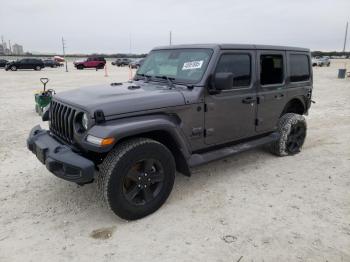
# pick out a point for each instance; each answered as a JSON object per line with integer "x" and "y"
{"x": 192, "y": 65}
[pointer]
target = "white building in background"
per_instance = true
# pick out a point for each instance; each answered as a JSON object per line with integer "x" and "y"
{"x": 3, "y": 49}
{"x": 17, "y": 49}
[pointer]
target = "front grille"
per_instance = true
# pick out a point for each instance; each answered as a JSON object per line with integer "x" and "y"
{"x": 61, "y": 120}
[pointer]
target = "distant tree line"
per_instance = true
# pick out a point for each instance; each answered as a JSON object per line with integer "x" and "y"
{"x": 123, "y": 55}
{"x": 119, "y": 55}
{"x": 331, "y": 53}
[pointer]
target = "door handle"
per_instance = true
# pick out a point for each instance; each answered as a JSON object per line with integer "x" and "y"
{"x": 279, "y": 96}
{"x": 248, "y": 100}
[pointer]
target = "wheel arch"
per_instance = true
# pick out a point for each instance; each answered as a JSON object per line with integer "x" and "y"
{"x": 167, "y": 139}
{"x": 162, "y": 128}
{"x": 295, "y": 105}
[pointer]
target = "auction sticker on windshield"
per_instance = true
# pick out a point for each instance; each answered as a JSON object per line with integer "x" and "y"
{"x": 192, "y": 65}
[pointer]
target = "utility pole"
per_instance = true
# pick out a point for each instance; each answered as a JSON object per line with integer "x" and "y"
{"x": 170, "y": 38}
{"x": 64, "y": 53}
{"x": 130, "y": 44}
{"x": 346, "y": 36}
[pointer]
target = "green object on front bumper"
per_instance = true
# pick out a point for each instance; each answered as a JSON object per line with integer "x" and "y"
{"x": 42, "y": 99}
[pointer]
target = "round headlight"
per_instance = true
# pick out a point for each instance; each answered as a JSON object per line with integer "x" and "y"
{"x": 85, "y": 121}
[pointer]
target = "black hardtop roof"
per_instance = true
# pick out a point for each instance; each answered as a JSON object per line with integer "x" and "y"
{"x": 235, "y": 46}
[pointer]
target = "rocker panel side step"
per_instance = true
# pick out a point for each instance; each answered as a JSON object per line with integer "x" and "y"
{"x": 199, "y": 159}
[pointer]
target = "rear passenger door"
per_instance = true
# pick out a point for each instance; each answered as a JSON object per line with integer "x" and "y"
{"x": 271, "y": 88}
{"x": 230, "y": 114}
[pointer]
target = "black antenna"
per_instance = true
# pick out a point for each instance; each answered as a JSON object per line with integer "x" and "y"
{"x": 64, "y": 52}
{"x": 346, "y": 36}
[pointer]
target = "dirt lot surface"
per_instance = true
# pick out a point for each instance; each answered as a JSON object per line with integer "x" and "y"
{"x": 249, "y": 207}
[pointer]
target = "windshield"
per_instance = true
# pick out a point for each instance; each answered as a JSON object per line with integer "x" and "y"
{"x": 182, "y": 65}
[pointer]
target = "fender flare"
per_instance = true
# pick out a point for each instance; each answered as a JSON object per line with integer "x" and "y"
{"x": 133, "y": 126}
{"x": 300, "y": 99}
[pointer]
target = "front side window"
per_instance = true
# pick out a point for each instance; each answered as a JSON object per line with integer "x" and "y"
{"x": 299, "y": 68}
{"x": 239, "y": 65}
{"x": 271, "y": 69}
{"x": 183, "y": 65}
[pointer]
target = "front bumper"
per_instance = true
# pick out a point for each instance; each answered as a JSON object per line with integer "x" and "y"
{"x": 58, "y": 158}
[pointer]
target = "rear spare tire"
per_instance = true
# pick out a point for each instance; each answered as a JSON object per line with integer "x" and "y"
{"x": 136, "y": 177}
{"x": 292, "y": 128}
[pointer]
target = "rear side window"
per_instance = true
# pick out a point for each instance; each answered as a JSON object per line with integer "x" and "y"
{"x": 271, "y": 69}
{"x": 299, "y": 68}
{"x": 239, "y": 65}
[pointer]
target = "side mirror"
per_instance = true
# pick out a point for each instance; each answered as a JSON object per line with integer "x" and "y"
{"x": 223, "y": 81}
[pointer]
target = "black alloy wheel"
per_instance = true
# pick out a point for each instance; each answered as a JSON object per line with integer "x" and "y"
{"x": 143, "y": 182}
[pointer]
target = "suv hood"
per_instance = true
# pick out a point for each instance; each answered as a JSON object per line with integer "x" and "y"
{"x": 124, "y": 98}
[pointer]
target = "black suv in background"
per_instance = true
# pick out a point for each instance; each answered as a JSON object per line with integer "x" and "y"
{"x": 122, "y": 62}
{"x": 3, "y": 62}
{"x": 25, "y": 63}
{"x": 187, "y": 105}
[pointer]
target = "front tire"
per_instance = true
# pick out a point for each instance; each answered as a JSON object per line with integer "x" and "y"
{"x": 292, "y": 128}
{"x": 13, "y": 68}
{"x": 136, "y": 178}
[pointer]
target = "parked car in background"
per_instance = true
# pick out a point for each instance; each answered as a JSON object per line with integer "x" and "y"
{"x": 58, "y": 59}
{"x": 25, "y": 63}
{"x": 122, "y": 62}
{"x": 51, "y": 63}
{"x": 91, "y": 62}
{"x": 116, "y": 61}
{"x": 321, "y": 61}
{"x": 136, "y": 63}
{"x": 3, "y": 62}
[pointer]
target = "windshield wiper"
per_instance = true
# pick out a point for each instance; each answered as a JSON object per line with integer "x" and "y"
{"x": 146, "y": 78}
{"x": 169, "y": 79}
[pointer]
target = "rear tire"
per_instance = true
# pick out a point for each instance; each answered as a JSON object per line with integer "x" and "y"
{"x": 80, "y": 67}
{"x": 136, "y": 178}
{"x": 37, "y": 68}
{"x": 13, "y": 68}
{"x": 292, "y": 128}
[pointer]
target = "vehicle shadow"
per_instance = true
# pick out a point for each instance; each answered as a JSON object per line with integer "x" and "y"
{"x": 66, "y": 197}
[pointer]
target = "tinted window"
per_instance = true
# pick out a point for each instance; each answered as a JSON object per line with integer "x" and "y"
{"x": 239, "y": 65}
{"x": 271, "y": 69}
{"x": 299, "y": 68}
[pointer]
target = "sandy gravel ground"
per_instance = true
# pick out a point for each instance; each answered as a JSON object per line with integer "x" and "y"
{"x": 250, "y": 207}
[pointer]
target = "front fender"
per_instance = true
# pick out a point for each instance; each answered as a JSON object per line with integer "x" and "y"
{"x": 133, "y": 126}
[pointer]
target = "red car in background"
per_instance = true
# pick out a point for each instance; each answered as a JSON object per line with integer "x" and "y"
{"x": 91, "y": 62}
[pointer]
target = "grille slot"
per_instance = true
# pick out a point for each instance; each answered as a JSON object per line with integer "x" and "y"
{"x": 61, "y": 120}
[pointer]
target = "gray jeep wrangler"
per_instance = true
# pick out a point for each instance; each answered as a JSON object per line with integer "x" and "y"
{"x": 187, "y": 105}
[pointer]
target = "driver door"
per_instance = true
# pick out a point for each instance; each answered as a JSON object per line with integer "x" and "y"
{"x": 231, "y": 114}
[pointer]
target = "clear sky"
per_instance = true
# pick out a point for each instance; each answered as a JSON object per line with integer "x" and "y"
{"x": 108, "y": 25}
